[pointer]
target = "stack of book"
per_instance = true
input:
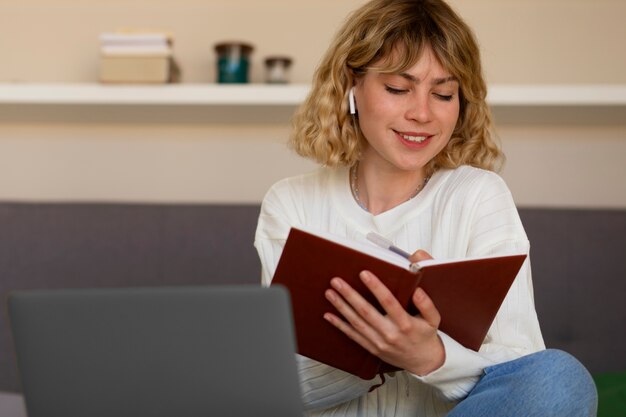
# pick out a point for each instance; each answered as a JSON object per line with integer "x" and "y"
{"x": 136, "y": 57}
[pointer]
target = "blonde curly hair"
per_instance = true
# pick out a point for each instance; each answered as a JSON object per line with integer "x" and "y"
{"x": 323, "y": 129}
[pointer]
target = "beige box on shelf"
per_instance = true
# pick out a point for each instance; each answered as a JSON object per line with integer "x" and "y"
{"x": 135, "y": 69}
{"x": 136, "y": 57}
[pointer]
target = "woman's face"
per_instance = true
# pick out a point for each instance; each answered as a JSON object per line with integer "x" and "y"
{"x": 407, "y": 118}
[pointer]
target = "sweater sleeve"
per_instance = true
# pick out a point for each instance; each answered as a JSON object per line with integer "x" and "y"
{"x": 322, "y": 386}
{"x": 494, "y": 229}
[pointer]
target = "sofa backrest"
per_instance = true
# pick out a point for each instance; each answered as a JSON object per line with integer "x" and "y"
{"x": 578, "y": 260}
{"x": 120, "y": 245}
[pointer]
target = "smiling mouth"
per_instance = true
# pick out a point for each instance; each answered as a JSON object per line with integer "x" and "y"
{"x": 414, "y": 139}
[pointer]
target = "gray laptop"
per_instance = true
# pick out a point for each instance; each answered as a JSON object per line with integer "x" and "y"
{"x": 143, "y": 352}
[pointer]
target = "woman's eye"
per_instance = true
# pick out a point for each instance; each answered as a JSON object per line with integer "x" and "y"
{"x": 393, "y": 90}
{"x": 444, "y": 97}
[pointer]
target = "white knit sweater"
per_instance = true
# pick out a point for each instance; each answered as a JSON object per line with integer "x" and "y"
{"x": 461, "y": 212}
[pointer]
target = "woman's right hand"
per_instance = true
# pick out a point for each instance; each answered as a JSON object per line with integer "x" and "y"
{"x": 409, "y": 342}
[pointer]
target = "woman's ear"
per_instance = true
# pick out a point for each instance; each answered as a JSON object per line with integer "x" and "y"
{"x": 351, "y": 101}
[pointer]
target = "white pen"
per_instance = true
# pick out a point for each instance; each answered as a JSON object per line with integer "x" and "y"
{"x": 387, "y": 244}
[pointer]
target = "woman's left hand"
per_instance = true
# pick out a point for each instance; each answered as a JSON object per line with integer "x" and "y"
{"x": 408, "y": 342}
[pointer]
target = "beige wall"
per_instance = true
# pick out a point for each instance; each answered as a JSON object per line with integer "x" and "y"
{"x": 523, "y": 41}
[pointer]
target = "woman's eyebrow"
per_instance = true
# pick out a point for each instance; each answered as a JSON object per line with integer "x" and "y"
{"x": 436, "y": 81}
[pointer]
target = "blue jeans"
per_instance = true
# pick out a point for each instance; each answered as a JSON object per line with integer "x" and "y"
{"x": 549, "y": 383}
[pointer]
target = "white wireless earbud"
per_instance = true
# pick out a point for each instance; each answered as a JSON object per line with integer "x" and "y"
{"x": 351, "y": 101}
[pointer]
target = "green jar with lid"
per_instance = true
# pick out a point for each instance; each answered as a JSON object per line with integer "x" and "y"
{"x": 233, "y": 62}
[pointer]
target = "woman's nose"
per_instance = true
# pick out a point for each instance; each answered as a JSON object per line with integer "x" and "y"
{"x": 419, "y": 109}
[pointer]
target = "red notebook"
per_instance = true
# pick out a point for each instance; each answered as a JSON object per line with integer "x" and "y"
{"x": 467, "y": 293}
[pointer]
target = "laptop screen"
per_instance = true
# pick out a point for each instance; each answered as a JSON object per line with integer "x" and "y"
{"x": 169, "y": 351}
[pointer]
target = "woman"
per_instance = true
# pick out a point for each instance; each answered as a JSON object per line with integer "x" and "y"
{"x": 398, "y": 120}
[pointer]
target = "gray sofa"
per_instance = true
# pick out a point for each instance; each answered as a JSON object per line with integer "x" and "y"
{"x": 578, "y": 260}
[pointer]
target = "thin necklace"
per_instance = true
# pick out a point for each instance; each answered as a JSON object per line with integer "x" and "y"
{"x": 355, "y": 188}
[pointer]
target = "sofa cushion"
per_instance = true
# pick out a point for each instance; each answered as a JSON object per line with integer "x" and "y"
{"x": 611, "y": 394}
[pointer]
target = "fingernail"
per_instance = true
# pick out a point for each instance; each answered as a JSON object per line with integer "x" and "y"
{"x": 336, "y": 283}
{"x": 419, "y": 293}
{"x": 330, "y": 295}
{"x": 365, "y": 276}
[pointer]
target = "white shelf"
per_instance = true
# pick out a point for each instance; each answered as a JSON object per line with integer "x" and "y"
{"x": 557, "y": 95}
{"x": 264, "y": 103}
{"x": 292, "y": 94}
{"x": 146, "y": 95}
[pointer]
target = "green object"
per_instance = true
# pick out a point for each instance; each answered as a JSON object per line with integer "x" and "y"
{"x": 611, "y": 394}
{"x": 233, "y": 62}
{"x": 232, "y": 71}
